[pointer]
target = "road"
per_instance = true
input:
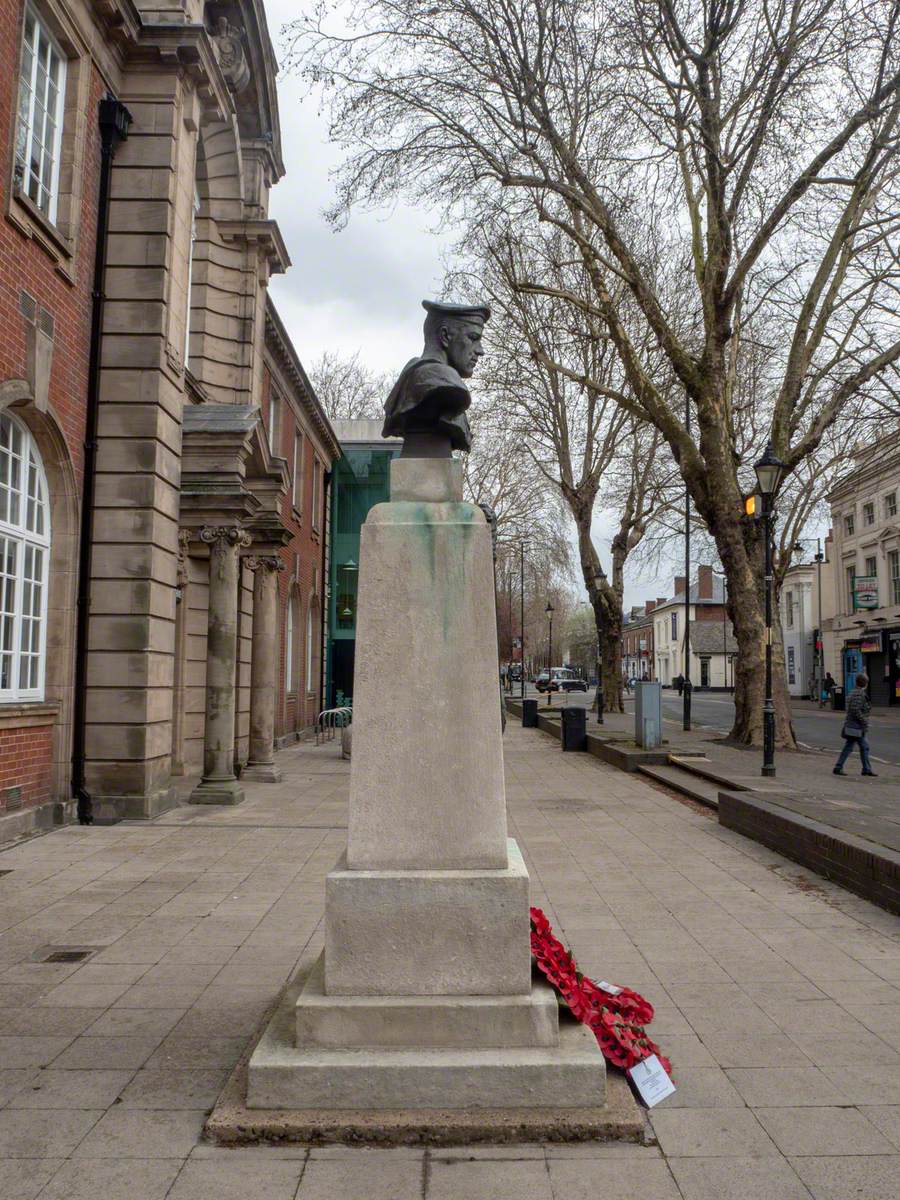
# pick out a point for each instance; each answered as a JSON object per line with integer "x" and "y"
{"x": 815, "y": 728}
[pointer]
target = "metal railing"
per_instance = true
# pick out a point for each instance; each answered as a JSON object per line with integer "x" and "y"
{"x": 330, "y": 719}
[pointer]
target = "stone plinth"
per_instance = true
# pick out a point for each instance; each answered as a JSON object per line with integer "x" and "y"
{"x": 428, "y": 933}
{"x": 424, "y": 996}
{"x": 426, "y": 787}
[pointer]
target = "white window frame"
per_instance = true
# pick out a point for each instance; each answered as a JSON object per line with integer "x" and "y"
{"x": 298, "y": 471}
{"x": 849, "y": 524}
{"x": 890, "y": 504}
{"x": 289, "y": 646}
{"x": 314, "y": 519}
{"x": 21, "y": 537}
{"x": 55, "y": 151}
{"x": 869, "y": 513}
{"x": 310, "y": 639}
{"x": 275, "y": 410}
{"x": 894, "y": 573}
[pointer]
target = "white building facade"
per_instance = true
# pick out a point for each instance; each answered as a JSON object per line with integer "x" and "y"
{"x": 864, "y": 634}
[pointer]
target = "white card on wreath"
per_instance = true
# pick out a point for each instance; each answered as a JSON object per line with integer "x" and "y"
{"x": 651, "y": 1080}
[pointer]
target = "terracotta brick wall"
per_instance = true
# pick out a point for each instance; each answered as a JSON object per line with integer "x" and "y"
{"x": 62, "y": 286}
{"x": 25, "y": 762}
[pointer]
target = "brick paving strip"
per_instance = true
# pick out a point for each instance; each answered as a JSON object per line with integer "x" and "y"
{"x": 777, "y": 997}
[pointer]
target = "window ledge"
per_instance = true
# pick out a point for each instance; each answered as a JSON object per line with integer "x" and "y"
{"x": 25, "y": 214}
{"x": 31, "y": 712}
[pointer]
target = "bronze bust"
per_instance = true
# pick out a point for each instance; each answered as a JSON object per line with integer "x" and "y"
{"x": 427, "y": 405}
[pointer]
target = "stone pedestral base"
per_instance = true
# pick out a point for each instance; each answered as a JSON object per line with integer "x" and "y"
{"x": 217, "y": 791}
{"x": 428, "y": 933}
{"x": 262, "y": 772}
{"x": 423, "y": 999}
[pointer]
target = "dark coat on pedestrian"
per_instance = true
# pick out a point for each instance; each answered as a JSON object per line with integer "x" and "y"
{"x": 858, "y": 708}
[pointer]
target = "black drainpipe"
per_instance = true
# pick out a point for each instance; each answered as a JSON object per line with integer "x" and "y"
{"x": 113, "y": 119}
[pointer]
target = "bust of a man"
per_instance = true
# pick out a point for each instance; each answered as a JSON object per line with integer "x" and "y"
{"x": 427, "y": 405}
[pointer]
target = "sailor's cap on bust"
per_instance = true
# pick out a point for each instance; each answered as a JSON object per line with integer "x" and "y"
{"x": 465, "y": 312}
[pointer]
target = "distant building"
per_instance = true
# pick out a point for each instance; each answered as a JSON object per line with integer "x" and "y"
{"x": 637, "y": 641}
{"x": 801, "y": 613}
{"x": 864, "y": 634}
{"x": 360, "y": 479}
{"x": 712, "y": 643}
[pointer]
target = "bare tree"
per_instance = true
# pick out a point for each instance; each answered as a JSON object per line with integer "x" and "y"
{"x": 346, "y": 388}
{"x": 718, "y": 167}
{"x": 553, "y": 386}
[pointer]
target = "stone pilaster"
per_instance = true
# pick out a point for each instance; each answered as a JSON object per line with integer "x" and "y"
{"x": 263, "y": 669}
{"x": 219, "y": 785}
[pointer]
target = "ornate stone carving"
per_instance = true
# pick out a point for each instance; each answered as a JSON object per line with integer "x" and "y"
{"x": 265, "y": 562}
{"x": 184, "y": 539}
{"x": 222, "y": 537}
{"x": 230, "y": 53}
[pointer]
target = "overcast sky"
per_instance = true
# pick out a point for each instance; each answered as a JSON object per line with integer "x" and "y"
{"x": 360, "y": 288}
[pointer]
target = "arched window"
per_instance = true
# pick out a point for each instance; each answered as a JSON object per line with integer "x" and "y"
{"x": 310, "y": 643}
{"x": 289, "y": 646}
{"x": 24, "y": 558}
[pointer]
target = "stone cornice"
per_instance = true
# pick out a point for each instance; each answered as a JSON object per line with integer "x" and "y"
{"x": 265, "y": 234}
{"x": 279, "y": 345}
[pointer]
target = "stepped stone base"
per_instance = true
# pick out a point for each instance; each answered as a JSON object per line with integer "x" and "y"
{"x": 423, "y": 1022}
{"x": 216, "y": 791}
{"x": 282, "y": 1075}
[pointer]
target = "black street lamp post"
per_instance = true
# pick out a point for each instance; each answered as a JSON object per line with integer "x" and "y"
{"x": 600, "y": 582}
{"x": 522, "y": 614}
{"x": 768, "y": 475}
{"x": 549, "y": 611}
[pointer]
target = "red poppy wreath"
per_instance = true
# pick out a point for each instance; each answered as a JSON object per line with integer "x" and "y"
{"x": 617, "y": 1015}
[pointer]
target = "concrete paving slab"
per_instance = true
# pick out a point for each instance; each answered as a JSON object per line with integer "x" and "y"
{"x": 387, "y": 1179}
{"x": 488, "y": 1181}
{"x": 812, "y": 1131}
{"x": 112, "y": 1179}
{"x": 23, "y": 1178}
{"x": 737, "y": 1179}
{"x": 259, "y": 1179}
{"x": 584, "y": 1180}
{"x": 837, "y": 1178}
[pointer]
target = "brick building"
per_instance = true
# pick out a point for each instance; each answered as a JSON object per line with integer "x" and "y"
{"x": 637, "y": 641}
{"x": 163, "y": 460}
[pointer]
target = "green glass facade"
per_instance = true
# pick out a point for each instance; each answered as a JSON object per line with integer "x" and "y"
{"x": 360, "y": 479}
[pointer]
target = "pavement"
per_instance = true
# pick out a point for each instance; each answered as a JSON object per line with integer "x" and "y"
{"x": 777, "y": 998}
{"x": 804, "y": 780}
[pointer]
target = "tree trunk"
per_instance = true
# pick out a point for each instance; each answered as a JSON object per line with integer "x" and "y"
{"x": 742, "y": 553}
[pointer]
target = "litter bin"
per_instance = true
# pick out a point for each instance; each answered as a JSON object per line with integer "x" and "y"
{"x": 837, "y": 699}
{"x": 529, "y": 714}
{"x": 573, "y": 729}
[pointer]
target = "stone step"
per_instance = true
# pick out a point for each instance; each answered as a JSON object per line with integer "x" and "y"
{"x": 423, "y": 1022}
{"x": 685, "y": 782}
{"x": 708, "y": 770}
{"x": 282, "y": 1075}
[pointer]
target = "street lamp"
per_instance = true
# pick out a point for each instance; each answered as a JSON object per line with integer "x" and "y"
{"x": 600, "y": 584}
{"x": 768, "y": 470}
{"x": 549, "y": 611}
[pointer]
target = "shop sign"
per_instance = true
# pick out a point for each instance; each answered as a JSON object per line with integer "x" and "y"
{"x": 871, "y": 644}
{"x": 865, "y": 591}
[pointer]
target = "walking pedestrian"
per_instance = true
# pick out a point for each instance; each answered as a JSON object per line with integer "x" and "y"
{"x": 679, "y": 683}
{"x": 828, "y": 686}
{"x": 856, "y": 726}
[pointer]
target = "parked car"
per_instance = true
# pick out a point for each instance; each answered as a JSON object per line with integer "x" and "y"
{"x": 560, "y": 679}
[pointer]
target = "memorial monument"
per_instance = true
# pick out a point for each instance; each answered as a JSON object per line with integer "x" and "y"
{"x": 423, "y": 998}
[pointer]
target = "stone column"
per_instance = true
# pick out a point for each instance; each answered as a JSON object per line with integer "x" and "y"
{"x": 263, "y": 669}
{"x": 219, "y": 785}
